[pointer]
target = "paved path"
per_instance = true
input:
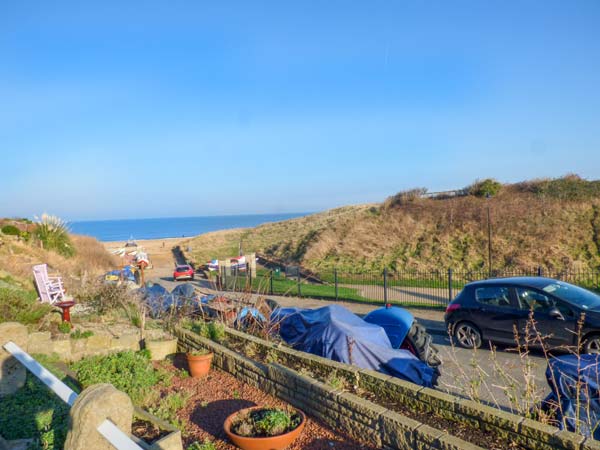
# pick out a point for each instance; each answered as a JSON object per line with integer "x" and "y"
{"x": 408, "y": 294}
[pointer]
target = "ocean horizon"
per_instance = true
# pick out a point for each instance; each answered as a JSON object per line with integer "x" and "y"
{"x": 170, "y": 227}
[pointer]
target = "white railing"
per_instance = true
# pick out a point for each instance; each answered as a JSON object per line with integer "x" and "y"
{"x": 109, "y": 430}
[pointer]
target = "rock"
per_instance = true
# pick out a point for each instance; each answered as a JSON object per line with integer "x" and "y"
{"x": 62, "y": 347}
{"x": 40, "y": 342}
{"x": 126, "y": 342}
{"x": 98, "y": 344}
{"x": 171, "y": 441}
{"x": 12, "y": 372}
{"x": 92, "y": 407}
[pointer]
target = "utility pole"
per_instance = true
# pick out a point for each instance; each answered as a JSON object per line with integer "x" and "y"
{"x": 489, "y": 224}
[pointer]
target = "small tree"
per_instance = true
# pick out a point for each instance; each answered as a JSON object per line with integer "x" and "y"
{"x": 484, "y": 188}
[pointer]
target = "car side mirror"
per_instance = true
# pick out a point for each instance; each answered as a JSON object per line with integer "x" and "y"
{"x": 556, "y": 314}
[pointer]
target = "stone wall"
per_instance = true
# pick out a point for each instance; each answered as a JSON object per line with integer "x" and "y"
{"x": 67, "y": 348}
{"x": 528, "y": 433}
{"x": 343, "y": 411}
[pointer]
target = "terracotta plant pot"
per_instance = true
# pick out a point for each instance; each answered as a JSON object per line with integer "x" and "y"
{"x": 199, "y": 364}
{"x": 262, "y": 443}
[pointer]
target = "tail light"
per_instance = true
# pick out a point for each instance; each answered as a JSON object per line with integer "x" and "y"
{"x": 452, "y": 307}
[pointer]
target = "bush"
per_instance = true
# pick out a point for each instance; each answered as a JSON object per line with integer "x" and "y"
{"x": 11, "y": 230}
{"x": 53, "y": 233}
{"x": 488, "y": 187}
{"x": 404, "y": 197}
{"x": 569, "y": 187}
{"x": 104, "y": 297}
{"x": 214, "y": 331}
{"x": 21, "y": 306}
{"x": 130, "y": 372}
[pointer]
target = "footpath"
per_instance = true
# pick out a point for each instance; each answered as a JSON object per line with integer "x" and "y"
{"x": 431, "y": 319}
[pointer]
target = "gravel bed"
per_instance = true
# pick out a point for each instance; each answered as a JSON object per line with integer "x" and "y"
{"x": 218, "y": 395}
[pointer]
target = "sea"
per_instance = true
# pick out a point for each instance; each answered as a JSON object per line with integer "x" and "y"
{"x": 174, "y": 227}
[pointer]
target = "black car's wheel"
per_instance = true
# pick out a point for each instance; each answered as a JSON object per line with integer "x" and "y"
{"x": 591, "y": 344}
{"x": 467, "y": 335}
{"x": 418, "y": 342}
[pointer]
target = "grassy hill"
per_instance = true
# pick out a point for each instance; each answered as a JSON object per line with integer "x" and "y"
{"x": 554, "y": 223}
{"x": 18, "y": 255}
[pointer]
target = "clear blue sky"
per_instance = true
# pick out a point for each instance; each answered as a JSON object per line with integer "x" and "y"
{"x": 183, "y": 108}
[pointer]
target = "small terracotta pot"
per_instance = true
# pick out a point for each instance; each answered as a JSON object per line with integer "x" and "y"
{"x": 262, "y": 443}
{"x": 199, "y": 365}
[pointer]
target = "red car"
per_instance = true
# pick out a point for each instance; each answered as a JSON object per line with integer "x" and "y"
{"x": 183, "y": 272}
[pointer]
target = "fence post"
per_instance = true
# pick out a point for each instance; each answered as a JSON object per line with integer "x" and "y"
{"x": 224, "y": 279}
{"x": 385, "y": 296}
{"x": 335, "y": 280}
{"x": 540, "y": 271}
{"x": 450, "y": 293}
{"x": 299, "y": 288}
{"x": 271, "y": 283}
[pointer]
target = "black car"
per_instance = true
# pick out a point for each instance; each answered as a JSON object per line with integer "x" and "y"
{"x": 491, "y": 310}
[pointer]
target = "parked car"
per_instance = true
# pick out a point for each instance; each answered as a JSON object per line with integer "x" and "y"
{"x": 183, "y": 272}
{"x": 491, "y": 310}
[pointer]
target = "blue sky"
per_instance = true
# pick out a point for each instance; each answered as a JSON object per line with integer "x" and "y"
{"x": 184, "y": 108}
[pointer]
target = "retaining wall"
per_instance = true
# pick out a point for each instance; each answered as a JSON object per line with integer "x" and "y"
{"x": 527, "y": 433}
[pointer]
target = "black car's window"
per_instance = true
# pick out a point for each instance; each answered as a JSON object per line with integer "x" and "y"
{"x": 493, "y": 296}
{"x": 534, "y": 300}
{"x": 574, "y": 294}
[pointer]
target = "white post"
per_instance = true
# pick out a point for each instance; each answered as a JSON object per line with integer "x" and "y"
{"x": 116, "y": 437}
{"x": 66, "y": 394}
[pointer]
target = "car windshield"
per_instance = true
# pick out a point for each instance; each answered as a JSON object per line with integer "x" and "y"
{"x": 182, "y": 268}
{"x": 574, "y": 294}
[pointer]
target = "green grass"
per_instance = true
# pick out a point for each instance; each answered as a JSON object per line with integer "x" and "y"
{"x": 35, "y": 412}
{"x": 21, "y": 306}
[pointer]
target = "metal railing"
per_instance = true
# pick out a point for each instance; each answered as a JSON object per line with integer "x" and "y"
{"x": 432, "y": 289}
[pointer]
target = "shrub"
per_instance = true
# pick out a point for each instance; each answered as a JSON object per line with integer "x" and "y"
{"x": 488, "y": 187}
{"x": 130, "y": 372}
{"x": 404, "y": 197}
{"x": 168, "y": 407}
{"x": 569, "y": 187}
{"x": 211, "y": 330}
{"x": 104, "y": 297}
{"x": 21, "y": 306}
{"x": 11, "y": 230}
{"x": 53, "y": 233}
{"x": 78, "y": 334}
{"x": 206, "y": 445}
{"x": 64, "y": 327}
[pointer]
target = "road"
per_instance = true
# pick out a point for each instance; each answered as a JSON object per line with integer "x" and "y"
{"x": 492, "y": 376}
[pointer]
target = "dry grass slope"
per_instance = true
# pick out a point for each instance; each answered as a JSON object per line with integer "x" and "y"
{"x": 18, "y": 257}
{"x": 552, "y": 223}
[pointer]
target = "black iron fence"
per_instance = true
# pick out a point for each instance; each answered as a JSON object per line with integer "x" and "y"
{"x": 432, "y": 289}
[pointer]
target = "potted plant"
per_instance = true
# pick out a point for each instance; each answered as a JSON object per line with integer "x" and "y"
{"x": 261, "y": 428}
{"x": 199, "y": 362}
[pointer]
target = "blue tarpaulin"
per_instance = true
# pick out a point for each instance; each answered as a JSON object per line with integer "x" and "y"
{"x": 336, "y": 333}
{"x": 575, "y": 381}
